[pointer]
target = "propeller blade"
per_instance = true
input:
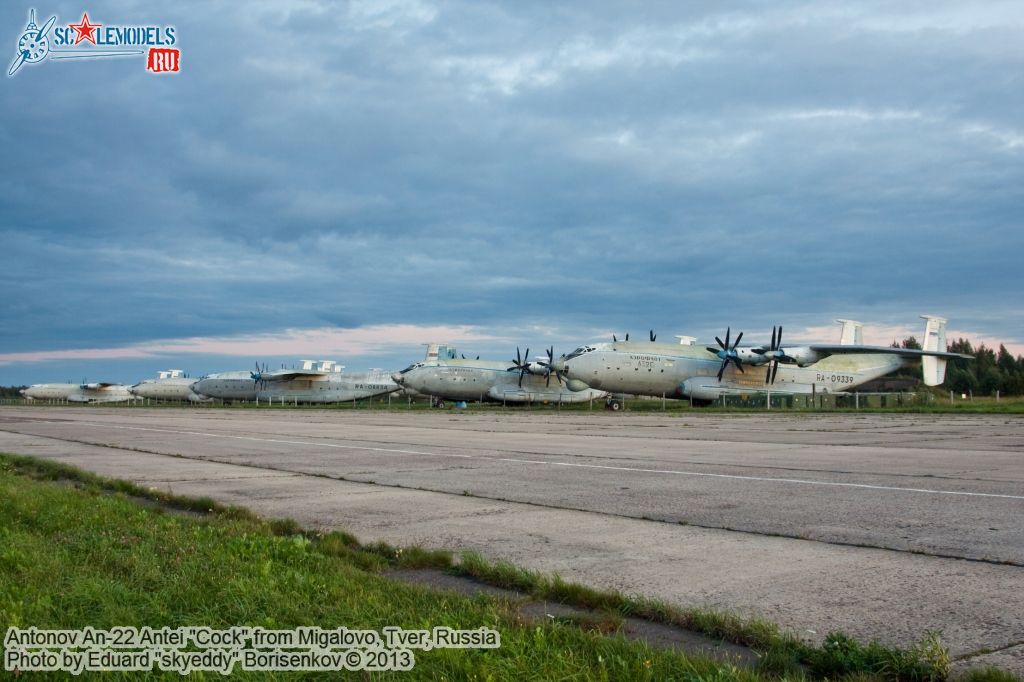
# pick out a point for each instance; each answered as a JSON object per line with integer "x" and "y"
{"x": 547, "y": 379}
{"x": 614, "y": 340}
{"x": 710, "y": 349}
{"x": 772, "y": 347}
{"x": 737, "y": 341}
{"x": 775, "y": 370}
{"x": 653, "y": 336}
{"x": 768, "y": 375}
{"x": 46, "y": 28}
{"x": 521, "y": 373}
{"x": 720, "y": 344}
{"x": 739, "y": 365}
{"x": 780, "y": 338}
{"x": 721, "y": 370}
{"x": 18, "y": 61}
{"x": 627, "y": 336}
{"x": 727, "y": 330}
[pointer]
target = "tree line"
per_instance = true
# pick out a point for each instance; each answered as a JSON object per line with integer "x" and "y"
{"x": 988, "y": 372}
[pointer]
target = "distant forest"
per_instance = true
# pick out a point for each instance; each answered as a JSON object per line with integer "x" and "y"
{"x": 988, "y": 372}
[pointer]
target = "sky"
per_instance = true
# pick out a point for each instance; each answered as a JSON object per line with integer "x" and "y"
{"x": 351, "y": 180}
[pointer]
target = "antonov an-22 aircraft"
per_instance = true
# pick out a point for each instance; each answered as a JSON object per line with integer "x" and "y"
{"x": 99, "y": 392}
{"x": 443, "y": 375}
{"x": 170, "y": 384}
{"x": 706, "y": 373}
{"x": 314, "y": 382}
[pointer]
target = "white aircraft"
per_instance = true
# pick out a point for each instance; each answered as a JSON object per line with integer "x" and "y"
{"x": 445, "y": 376}
{"x": 705, "y": 374}
{"x": 101, "y": 392}
{"x": 170, "y": 384}
{"x": 314, "y": 382}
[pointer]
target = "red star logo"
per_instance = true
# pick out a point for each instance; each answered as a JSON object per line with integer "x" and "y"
{"x": 85, "y": 30}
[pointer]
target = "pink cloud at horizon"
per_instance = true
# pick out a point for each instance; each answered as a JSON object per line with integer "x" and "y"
{"x": 315, "y": 343}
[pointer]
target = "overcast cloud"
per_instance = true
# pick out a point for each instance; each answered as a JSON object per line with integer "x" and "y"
{"x": 376, "y": 174}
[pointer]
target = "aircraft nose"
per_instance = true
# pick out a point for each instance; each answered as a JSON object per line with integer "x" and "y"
{"x": 398, "y": 378}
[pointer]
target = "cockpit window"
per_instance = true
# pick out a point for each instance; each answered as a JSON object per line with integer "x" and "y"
{"x": 411, "y": 367}
{"x": 578, "y": 352}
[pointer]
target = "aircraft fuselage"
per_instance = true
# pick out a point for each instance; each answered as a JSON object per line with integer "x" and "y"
{"x": 487, "y": 380}
{"x": 677, "y": 371}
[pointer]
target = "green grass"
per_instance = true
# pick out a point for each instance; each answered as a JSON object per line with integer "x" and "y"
{"x": 71, "y": 557}
{"x": 90, "y": 554}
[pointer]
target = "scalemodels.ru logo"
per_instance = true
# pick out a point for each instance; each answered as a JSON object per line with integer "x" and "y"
{"x": 88, "y": 40}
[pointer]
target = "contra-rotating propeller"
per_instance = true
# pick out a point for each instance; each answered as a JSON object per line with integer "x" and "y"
{"x": 257, "y": 376}
{"x": 727, "y": 353}
{"x": 773, "y": 354}
{"x": 550, "y": 368}
{"x": 521, "y": 363}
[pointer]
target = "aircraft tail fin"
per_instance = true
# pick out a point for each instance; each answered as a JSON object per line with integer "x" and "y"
{"x": 934, "y": 369}
{"x": 852, "y": 333}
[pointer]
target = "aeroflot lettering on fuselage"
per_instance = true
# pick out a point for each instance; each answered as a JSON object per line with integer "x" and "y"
{"x": 644, "y": 360}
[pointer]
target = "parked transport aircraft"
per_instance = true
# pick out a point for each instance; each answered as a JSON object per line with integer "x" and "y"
{"x": 314, "y": 382}
{"x": 706, "y": 373}
{"x": 445, "y": 375}
{"x": 79, "y": 393}
{"x": 170, "y": 384}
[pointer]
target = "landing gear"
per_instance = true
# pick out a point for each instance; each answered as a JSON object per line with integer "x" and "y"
{"x": 613, "y": 404}
{"x": 438, "y": 403}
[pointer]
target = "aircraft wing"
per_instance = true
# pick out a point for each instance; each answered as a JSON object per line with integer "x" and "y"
{"x": 289, "y": 374}
{"x": 888, "y": 350}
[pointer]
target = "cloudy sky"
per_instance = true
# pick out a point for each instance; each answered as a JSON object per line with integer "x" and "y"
{"x": 349, "y": 180}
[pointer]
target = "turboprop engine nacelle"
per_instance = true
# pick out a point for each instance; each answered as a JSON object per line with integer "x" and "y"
{"x": 801, "y": 355}
{"x": 575, "y": 385}
{"x": 747, "y": 356}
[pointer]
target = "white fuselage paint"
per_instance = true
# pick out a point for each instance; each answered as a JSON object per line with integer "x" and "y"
{"x": 488, "y": 380}
{"x": 78, "y": 393}
{"x": 171, "y": 388}
{"x": 676, "y": 371}
{"x": 330, "y": 388}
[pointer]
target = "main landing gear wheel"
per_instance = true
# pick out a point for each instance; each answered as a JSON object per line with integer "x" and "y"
{"x": 613, "y": 405}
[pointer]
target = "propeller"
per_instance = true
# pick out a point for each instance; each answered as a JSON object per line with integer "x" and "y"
{"x": 521, "y": 363}
{"x": 616, "y": 340}
{"x": 774, "y": 354}
{"x": 727, "y": 353}
{"x": 257, "y": 376}
{"x": 550, "y": 368}
{"x": 465, "y": 358}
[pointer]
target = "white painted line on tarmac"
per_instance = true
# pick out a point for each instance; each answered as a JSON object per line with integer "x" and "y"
{"x": 674, "y": 472}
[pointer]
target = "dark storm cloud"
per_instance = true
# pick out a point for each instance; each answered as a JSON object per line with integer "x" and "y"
{"x": 580, "y": 168}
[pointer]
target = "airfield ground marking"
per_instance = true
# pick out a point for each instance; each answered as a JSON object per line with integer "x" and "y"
{"x": 395, "y": 451}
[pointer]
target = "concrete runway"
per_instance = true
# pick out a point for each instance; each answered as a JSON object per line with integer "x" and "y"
{"x": 883, "y": 526}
